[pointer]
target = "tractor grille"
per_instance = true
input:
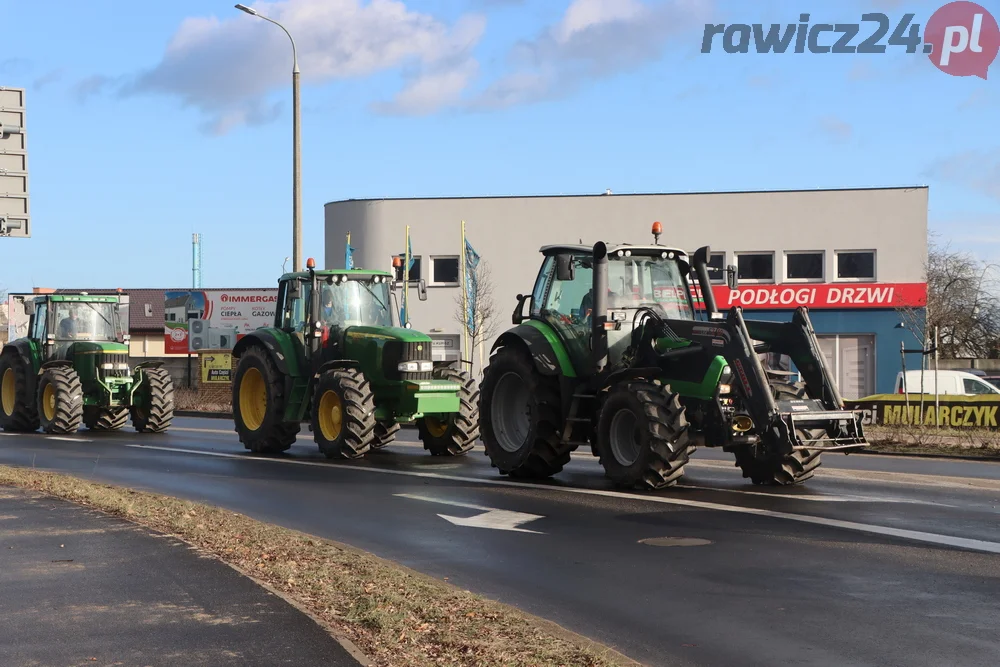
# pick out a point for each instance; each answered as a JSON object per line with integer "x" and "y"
{"x": 396, "y": 351}
{"x": 116, "y": 361}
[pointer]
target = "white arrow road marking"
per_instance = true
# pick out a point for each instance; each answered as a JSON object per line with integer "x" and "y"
{"x": 491, "y": 517}
{"x": 914, "y": 535}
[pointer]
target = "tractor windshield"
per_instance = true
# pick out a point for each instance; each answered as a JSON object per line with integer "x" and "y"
{"x": 75, "y": 320}
{"x": 354, "y": 303}
{"x": 651, "y": 282}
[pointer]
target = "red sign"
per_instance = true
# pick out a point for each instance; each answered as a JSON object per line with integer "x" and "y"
{"x": 832, "y": 296}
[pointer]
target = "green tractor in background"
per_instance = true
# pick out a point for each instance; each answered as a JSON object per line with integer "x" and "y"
{"x": 613, "y": 354}
{"x": 334, "y": 358}
{"x": 73, "y": 368}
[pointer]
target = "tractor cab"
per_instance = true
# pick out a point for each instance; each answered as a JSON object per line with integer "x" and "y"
{"x": 83, "y": 329}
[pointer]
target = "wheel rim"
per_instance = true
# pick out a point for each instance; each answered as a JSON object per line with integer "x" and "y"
{"x": 49, "y": 402}
{"x": 435, "y": 426}
{"x": 331, "y": 415}
{"x": 623, "y": 437}
{"x": 8, "y": 392}
{"x": 253, "y": 399}
{"x": 511, "y": 415}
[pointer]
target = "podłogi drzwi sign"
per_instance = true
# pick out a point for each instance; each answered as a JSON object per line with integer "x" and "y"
{"x": 825, "y": 296}
{"x": 214, "y": 319}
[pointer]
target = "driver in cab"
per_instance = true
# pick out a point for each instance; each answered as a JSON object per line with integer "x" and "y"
{"x": 69, "y": 326}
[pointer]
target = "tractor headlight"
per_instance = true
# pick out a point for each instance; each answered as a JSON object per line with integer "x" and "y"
{"x": 107, "y": 367}
{"x": 725, "y": 389}
{"x": 415, "y": 366}
{"x": 727, "y": 375}
{"x": 123, "y": 367}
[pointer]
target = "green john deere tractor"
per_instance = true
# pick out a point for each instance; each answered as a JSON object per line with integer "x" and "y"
{"x": 73, "y": 368}
{"x": 616, "y": 353}
{"x": 334, "y": 358}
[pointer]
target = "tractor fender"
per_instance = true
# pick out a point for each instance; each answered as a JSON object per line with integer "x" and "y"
{"x": 269, "y": 341}
{"x": 149, "y": 364}
{"x": 542, "y": 344}
{"x": 55, "y": 363}
{"x": 339, "y": 363}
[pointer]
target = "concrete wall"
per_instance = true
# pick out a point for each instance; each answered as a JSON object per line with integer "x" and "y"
{"x": 508, "y": 231}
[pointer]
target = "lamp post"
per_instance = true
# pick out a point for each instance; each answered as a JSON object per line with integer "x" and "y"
{"x": 296, "y": 146}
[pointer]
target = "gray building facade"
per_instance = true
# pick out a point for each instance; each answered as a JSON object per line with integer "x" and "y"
{"x": 853, "y": 256}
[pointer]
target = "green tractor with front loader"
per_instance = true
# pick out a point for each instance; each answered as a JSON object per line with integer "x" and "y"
{"x": 619, "y": 351}
{"x": 73, "y": 368}
{"x": 335, "y": 359}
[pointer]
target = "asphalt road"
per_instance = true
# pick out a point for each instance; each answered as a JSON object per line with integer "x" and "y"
{"x": 875, "y": 561}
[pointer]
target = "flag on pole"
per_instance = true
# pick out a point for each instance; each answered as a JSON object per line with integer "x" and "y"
{"x": 348, "y": 254}
{"x": 471, "y": 262}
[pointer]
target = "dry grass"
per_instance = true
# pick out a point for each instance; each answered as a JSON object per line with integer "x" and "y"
{"x": 916, "y": 439}
{"x": 395, "y": 615}
{"x": 202, "y": 401}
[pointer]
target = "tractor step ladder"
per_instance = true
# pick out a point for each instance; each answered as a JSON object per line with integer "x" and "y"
{"x": 569, "y": 436}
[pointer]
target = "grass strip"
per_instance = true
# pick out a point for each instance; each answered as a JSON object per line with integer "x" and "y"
{"x": 395, "y": 615}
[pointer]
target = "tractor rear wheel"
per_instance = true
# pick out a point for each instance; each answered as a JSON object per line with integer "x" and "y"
{"x": 343, "y": 414}
{"x": 789, "y": 469}
{"x": 60, "y": 400}
{"x": 105, "y": 419}
{"x": 157, "y": 411}
{"x": 259, "y": 404}
{"x": 18, "y": 407}
{"x": 642, "y": 436}
{"x": 455, "y": 434}
{"x": 384, "y": 434}
{"x": 520, "y": 417}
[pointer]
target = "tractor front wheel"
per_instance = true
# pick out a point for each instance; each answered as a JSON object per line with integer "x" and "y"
{"x": 520, "y": 417}
{"x": 105, "y": 419}
{"x": 157, "y": 407}
{"x": 789, "y": 469}
{"x": 456, "y": 433}
{"x": 642, "y": 437}
{"x": 343, "y": 414}
{"x": 259, "y": 404}
{"x": 18, "y": 408}
{"x": 60, "y": 400}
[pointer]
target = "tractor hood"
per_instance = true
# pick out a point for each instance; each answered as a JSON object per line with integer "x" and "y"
{"x": 98, "y": 347}
{"x": 360, "y": 333}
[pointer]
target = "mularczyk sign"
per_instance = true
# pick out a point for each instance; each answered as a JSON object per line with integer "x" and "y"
{"x": 960, "y": 38}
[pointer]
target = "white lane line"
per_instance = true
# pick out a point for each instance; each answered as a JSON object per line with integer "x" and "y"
{"x": 201, "y": 430}
{"x": 67, "y": 438}
{"x": 814, "y": 498}
{"x": 914, "y": 535}
{"x": 441, "y": 501}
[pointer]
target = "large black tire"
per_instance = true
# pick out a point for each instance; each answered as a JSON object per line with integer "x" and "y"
{"x": 343, "y": 414}
{"x": 642, "y": 436}
{"x": 60, "y": 400}
{"x": 259, "y": 404}
{"x": 519, "y": 417}
{"x": 790, "y": 469}
{"x": 105, "y": 419}
{"x": 157, "y": 413}
{"x": 384, "y": 434}
{"x": 459, "y": 433}
{"x": 18, "y": 405}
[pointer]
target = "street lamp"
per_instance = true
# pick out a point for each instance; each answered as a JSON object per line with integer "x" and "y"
{"x": 296, "y": 145}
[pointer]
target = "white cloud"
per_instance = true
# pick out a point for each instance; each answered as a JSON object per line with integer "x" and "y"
{"x": 978, "y": 171}
{"x": 225, "y": 67}
{"x": 592, "y": 40}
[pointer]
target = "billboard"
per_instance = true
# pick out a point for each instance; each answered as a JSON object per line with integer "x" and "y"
{"x": 214, "y": 319}
{"x": 14, "y": 218}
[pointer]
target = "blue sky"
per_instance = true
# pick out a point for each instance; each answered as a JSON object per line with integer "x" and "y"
{"x": 150, "y": 121}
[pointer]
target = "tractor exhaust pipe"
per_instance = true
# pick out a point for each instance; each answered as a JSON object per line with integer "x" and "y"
{"x": 599, "y": 311}
{"x": 700, "y": 261}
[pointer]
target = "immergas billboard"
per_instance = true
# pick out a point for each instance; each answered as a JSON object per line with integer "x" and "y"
{"x": 214, "y": 319}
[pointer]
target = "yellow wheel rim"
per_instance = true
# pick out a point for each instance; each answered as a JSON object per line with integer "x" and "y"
{"x": 49, "y": 402}
{"x": 253, "y": 399}
{"x": 8, "y": 392}
{"x": 435, "y": 426}
{"x": 331, "y": 415}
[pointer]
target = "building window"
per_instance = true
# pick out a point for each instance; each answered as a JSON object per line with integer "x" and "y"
{"x": 716, "y": 267}
{"x": 414, "y": 270}
{"x": 804, "y": 266}
{"x": 444, "y": 271}
{"x": 755, "y": 266}
{"x": 856, "y": 265}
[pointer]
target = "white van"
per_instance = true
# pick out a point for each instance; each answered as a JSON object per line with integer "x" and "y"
{"x": 949, "y": 382}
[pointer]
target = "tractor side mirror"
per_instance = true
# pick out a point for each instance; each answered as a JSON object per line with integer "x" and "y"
{"x": 294, "y": 289}
{"x": 564, "y": 268}
{"x": 422, "y": 290}
{"x": 732, "y": 278}
{"x": 29, "y": 308}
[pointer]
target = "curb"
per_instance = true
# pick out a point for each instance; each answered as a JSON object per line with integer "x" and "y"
{"x": 206, "y": 415}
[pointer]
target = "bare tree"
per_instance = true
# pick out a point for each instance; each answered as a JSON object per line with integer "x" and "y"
{"x": 963, "y": 302}
{"x": 3, "y": 316}
{"x": 479, "y": 321}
